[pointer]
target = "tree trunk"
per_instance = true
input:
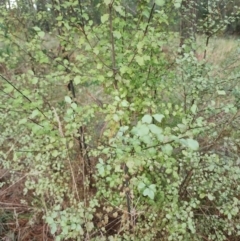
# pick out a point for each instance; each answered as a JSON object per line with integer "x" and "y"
{"x": 188, "y": 24}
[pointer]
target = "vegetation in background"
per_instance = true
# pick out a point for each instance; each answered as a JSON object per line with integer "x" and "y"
{"x": 116, "y": 126}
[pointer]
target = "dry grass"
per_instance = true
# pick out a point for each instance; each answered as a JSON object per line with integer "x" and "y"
{"x": 219, "y": 49}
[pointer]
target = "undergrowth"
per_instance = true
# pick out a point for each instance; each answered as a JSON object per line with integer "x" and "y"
{"x": 113, "y": 135}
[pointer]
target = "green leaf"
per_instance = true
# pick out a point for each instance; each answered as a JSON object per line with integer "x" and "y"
{"x": 158, "y": 117}
{"x": 160, "y": 2}
{"x": 101, "y": 169}
{"x": 8, "y": 89}
{"x": 37, "y": 29}
{"x": 139, "y": 60}
{"x": 34, "y": 80}
{"x": 182, "y": 127}
{"x": 34, "y": 113}
{"x": 53, "y": 228}
{"x": 117, "y": 34}
{"x": 178, "y": 3}
{"x": 155, "y": 129}
{"x": 116, "y": 117}
{"x": 168, "y": 170}
{"x": 55, "y": 153}
{"x": 142, "y": 130}
{"x": 167, "y": 149}
{"x": 194, "y": 108}
{"x": 210, "y": 196}
{"x": 146, "y": 139}
{"x": 77, "y": 80}
{"x": 141, "y": 185}
{"x": 124, "y": 103}
{"x": 74, "y": 105}
{"x": 130, "y": 164}
{"x": 150, "y": 191}
{"x": 160, "y": 137}
{"x": 58, "y": 238}
{"x": 23, "y": 121}
{"x": 147, "y": 119}
{"x": 202, "y": 195}
{"x": 104, "y": 18}
{"x": 49, "y": 220}
{"x": 235, "y": 211}
{"x": 192, "y": 144}
{"x": 68, "y": 99}
{"x": 107, "y": 2}
{"x": 41, "y": 34}
{"x": 221, "y": 92}
{"x": 73, "y": 226}
{"x": 153, "y": 187}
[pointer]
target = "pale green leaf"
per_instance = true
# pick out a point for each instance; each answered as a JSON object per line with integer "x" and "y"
{"x": 49, "y": 220}
{"x": 74, "y": 105}
{"x": 117, "y": 98}
{"x": 158, "y": 117}
{"x": 116, "y": 117}
{"x": 119, "y": 9}
{"x": 167, "y": 149}
{"x": 124, "y": 103}
{"x": 141, "y": 185}
{"x": 160, "y": 2}
{"x": 54, "y": 214}
{"x": 99, "y": 66}
{"x": 210, "y": 196}
{"x": 58, "y": 238}
{"x": 8, "y": 89}
{"x": 149, "y": 192}
{"x": 192, "y": 144}
{"x": 73, "y": 226}
{"x": 160, "y": 137}
{"x": 34, "y": 113}
{"x": 146, "y": 139}
{"x": 77, "y": 80}
{"x": 68, "y": 99}
{"x": 55, "y": 153}
{"x": 194, "y": 108}
{"x": 104, "y": 18}
{"x": 147, "y": 119}
{"x": 221, "y": 92}
{"x": 146, "y": 57}
{"x": 168, "y": 170}
{"x": 235, "y": 211}
{"x": 153, "y": 187}
{"x": 140, "y": 60}
{"x": 37, "y": 29}
{"x": 168, "y": 216}
{"x": 178, "y": 3}
{"x": 117, "y": 34}
{"x": 107, "y": 2}
{"x": 142, "y": 130}
{"x": 23, "y": 121}
{"x": 155, "y": 129}
{"x": 182, "y": 127}
{"x": 53, "y": 228}
{"x": 41, "y": 34}
{"x": 202, "y": 195}
{"x": 101, "y": 169}
{"x": 34, "y": 80}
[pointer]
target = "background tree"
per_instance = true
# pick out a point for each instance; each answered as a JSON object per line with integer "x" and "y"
{"x": 188, "y": 23}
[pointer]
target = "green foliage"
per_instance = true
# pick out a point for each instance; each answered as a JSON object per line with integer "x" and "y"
{"x": 147, "y": 141}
